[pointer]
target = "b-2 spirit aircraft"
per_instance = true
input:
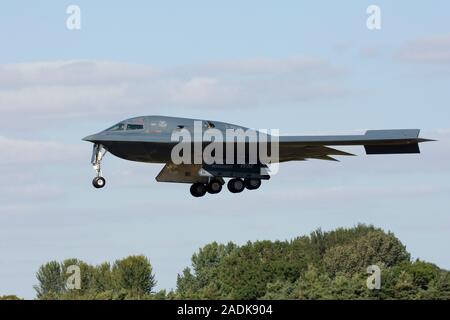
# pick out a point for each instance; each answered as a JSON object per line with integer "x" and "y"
{"x": 151, "y": 139}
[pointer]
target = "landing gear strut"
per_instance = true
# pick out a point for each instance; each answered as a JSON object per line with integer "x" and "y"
{"x": 98, "y": 152}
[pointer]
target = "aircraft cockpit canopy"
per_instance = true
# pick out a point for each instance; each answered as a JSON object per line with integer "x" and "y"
{"x": 134, "y": 126}
{"x": 117, "y": 127}
{"x": 128, "y": 126}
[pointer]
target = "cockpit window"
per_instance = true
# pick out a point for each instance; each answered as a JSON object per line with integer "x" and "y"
{"x": 209, "y": 125}
{"x": 131, "y": 126}
{"x": 117, "y": 127}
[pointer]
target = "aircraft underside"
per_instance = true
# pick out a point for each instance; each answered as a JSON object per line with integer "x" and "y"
{"x": 205, "y": 178}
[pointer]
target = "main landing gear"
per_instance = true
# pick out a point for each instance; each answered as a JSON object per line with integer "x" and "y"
{"x": 199, "y": 189}
{"x": 98, "y": 152}
{"x": 235, "y": 185}
{"x": 238, "y": 185}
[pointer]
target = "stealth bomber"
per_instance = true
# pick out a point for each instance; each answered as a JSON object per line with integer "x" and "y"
{"x": 176, "y": 143}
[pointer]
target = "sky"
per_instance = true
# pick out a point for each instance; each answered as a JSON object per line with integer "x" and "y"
{"x": 301, "y": 67}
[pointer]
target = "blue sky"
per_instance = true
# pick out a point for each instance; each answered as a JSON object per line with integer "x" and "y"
{"x": 301, "y": 67}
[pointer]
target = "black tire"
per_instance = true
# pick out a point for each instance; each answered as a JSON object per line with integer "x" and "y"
{"x": 252, "y": 183}
{"x": 198, "y": 190}
{"x": 214, "y": 186}
{"x": 236, "y": 185}
{"x": 98, "y": 182}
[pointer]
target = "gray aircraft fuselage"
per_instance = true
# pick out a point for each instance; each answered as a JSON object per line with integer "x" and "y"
{"x": 149, "y": 138}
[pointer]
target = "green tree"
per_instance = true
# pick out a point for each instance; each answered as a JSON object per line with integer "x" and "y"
{"x": 204, "y": 282}
{"x": 323, "y": 265}
{"x": 247, "y": 271}
{"x": 129, "y": 278}
{"x": 50, "y": 280}
{"x": 376, "y": 247}
{"x": 103, "y": 277}
{"x": 134, "y": 275}
{"x": 10, "y": 297}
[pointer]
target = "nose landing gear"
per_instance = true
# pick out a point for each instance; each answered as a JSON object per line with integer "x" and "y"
{"x": 98, "y": 182}
{"x": 98, "y": 152}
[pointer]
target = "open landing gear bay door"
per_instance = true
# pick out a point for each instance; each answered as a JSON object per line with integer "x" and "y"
{"x": 182, "y": 173}
{"x": 192, "y": 173}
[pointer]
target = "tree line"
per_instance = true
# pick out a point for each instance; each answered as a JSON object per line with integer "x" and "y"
{"x": 322, "y": 265}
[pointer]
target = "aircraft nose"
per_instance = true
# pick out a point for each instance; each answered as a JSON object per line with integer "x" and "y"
{"x": 90, "y": 138}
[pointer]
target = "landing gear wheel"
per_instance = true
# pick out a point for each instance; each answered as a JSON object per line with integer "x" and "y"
{"x": 198, "y": 189}
{"x": 236, "y": 185}
{"x": 99, "y": 182}
{"x": 214, "y": 186}
{"x": 252, "y": 183}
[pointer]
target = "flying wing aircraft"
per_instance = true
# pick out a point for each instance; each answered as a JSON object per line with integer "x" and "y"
{"x": 150, "y": 139}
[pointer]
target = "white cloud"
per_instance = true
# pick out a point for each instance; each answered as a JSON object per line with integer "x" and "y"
{"x": 57, "y": 73}
{"x": 433, "y": 49}
{"x": 45, "y": 90}
{"x": 21, "y": 151}
{"x": 200, "y": 91}
{"x": 22, "y": 167}
{"x": 300, "y": 66}
{"x": 60, "y": 101}
{"x": 29, "y": 192}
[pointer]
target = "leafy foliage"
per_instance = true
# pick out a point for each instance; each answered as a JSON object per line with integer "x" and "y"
{"x": 129, "y": 278}
{"x": 10, "y": 297}
{"x": 323, "y": 265}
